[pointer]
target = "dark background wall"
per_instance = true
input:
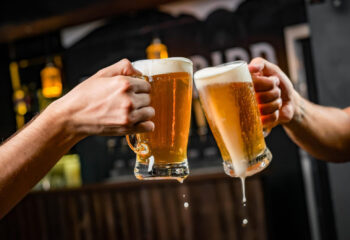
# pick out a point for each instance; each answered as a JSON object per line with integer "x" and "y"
{"x": 127, "y": 36}
{"x": 7, "y": 114}
{"x": 330, "y": 36}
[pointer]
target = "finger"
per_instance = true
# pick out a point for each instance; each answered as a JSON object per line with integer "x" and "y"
{"x": 268, "y": 96}
{"x": 146, "y": 126}
{"x": 255, "y": 68}
{"x": 142, "y": 114}
{"x": 139, "y": 85}
{"x": 270, "y": 120}
{"x": 264, "y": 66}
{"x": 271, "y": 107}
{"x": 123, "y": 67}
{"x": 262, "y": 83}
{"x": 141, "y": 100}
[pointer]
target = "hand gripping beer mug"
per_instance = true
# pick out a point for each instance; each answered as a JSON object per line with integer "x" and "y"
{"x": 228, "y": 98}
{"x": 162, "y": 154}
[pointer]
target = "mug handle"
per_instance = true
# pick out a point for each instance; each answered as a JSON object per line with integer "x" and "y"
{"x": 134, "y": 140}
{"x": 135, "y": 143}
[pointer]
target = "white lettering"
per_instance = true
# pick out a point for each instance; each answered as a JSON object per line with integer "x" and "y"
{"x": 265, "y": 50}
{"x": 233, "y": 54}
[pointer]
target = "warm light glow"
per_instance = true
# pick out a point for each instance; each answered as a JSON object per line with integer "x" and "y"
{"x": 19, "y": 94}
{"x": 51, "y": 82}
{"x": 156, "y": 50}
{"x": 21, "y": 108}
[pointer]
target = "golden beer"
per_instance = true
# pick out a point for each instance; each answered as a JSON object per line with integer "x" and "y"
{"x": 163, "y": 152}
{"x": 228, "y": 98}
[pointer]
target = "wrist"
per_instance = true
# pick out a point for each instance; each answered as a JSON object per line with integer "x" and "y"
{"x": 60, "y": 120}
{"x": 298, "y": 109}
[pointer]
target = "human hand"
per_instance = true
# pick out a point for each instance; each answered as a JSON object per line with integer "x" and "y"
{"x": 111, "y": 102}
{"x": 274, "y": 91}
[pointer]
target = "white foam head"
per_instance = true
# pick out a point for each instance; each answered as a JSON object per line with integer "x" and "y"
{"x": 229, "y": 72}
{"x": 151, "y": 67}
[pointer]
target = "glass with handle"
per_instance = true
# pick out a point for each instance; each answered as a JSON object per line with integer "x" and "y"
{"x": 162, "y": 154}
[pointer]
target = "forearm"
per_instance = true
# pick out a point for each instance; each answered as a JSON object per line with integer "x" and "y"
{"x": 28, "y": 156}
{"x": 324, "y": 132}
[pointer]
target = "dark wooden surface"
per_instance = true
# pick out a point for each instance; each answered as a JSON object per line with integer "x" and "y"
{"x": 142, "y": 210}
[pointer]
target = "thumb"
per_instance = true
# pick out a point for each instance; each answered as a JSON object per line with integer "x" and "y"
{"x": 123, "y": 67}
{"x": 265, "y": 67}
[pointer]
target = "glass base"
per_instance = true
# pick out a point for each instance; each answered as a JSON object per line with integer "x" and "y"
{"x": 255, "y": 165}
{"x": 165, "y": 171}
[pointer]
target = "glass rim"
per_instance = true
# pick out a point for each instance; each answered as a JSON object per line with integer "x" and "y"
{"x": 239, "y": 62}
{"x": 183, "y": 59}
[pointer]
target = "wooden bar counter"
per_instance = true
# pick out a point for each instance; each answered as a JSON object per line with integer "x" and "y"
{"x": 207, "y": 205}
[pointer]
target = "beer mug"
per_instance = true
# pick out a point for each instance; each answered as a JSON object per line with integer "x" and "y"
{"x": 228, "y": 98}
{"x": 162, "y": 154}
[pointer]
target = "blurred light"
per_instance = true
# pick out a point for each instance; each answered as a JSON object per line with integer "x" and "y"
{"x": 24, "y": 63}
{"x": 19, "y": 95}
{"x": 21, "y": 108}
{"x": 16, "y": 84}
{"x": 156, "y": 50}
{"x": 51, "y": 81}
{"x": 20, "y": 121}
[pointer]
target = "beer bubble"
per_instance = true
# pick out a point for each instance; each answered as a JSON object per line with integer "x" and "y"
{"x": 244, "y": 222}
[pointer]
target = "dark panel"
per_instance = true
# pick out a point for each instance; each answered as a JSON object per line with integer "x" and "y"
{"x": 7, "y": 116}
{"x": 330, "y": 44}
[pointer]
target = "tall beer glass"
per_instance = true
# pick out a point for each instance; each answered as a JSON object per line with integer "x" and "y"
{"x": 162, "y": 154}
{"x": 228, "y": 98}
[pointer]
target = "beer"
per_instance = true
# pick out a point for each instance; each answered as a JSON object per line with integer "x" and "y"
{"x": 228, "y": 98}
{"x": 171, "y": 96}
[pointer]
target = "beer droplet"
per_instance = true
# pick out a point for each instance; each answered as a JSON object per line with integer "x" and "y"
{"x": 186, "y": 205}
{"x": 244, "y": 222}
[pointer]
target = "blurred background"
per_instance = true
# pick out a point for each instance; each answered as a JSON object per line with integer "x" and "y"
{"x": 48, "y": 47}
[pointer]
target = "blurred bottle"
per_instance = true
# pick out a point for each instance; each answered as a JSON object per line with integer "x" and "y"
{"x": 51, "y": 81}
{"x": 156, "y": 50}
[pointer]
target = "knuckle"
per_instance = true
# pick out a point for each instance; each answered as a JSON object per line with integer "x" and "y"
{"x": 127, "y": 104}
{"x": 279, "y": 103}
{"x": 123, "y": 83}
{"x": 101, "y": 72}
{"x": 125, "y": 63}
{"x": 274, "y": 116}
{"x": 257, "y": 59}
{"x": 276, "y": 80}
{"x": 271, "y": 82}
{"x": 278, "y": 92}
{"x": 125, "y": 119}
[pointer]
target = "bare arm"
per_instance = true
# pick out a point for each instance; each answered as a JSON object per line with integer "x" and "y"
{"x": 108, "y": 103}
{"x": 324, "y": 132}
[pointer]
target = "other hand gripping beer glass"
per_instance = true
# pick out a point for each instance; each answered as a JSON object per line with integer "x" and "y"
{"x": 228, "y": 98}
{"x": 162, "y": 154}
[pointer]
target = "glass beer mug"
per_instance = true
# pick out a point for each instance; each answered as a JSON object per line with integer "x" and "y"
{"x": 228, "y": 98}
{"x": 162, "y": 154}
